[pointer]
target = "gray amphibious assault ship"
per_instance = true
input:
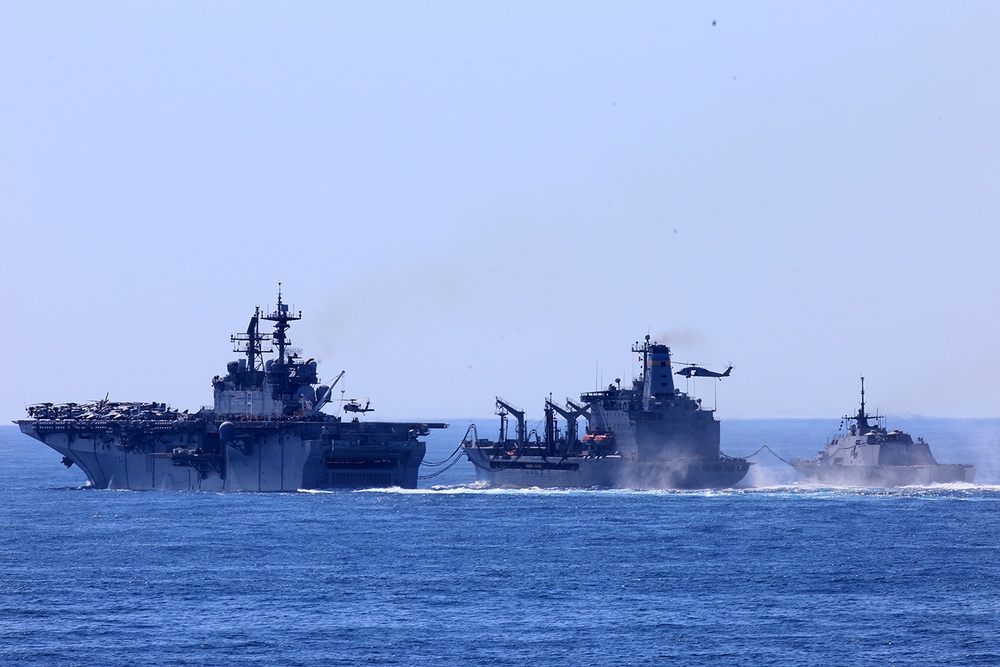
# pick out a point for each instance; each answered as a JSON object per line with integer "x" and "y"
{"x": 265, "y": 432}
{"x": 649, "y": 436}
{"x": 869, "y": 455}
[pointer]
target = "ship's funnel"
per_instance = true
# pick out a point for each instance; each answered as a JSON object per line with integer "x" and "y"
{"x": 659, "y": 379}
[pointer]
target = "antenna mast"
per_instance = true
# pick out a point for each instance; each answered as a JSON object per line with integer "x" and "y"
{"x": 281, "y": 317}
{"x": 863, "y": 395}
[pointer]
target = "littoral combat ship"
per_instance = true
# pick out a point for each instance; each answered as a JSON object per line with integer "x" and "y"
{"x": 649, "y": 436}
{"x": 265, "y": 432}
{"x": 869, "y": 455}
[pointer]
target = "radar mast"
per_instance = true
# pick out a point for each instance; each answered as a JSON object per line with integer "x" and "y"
{"x": 281, "y": 318}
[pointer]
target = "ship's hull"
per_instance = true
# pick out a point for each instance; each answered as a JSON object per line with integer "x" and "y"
{"x": 884, "y": 476}
{"x": 261, "y": 456}
{"x": 613, "y": 472}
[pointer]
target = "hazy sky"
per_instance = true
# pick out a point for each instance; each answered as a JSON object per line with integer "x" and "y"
{"x": 472, "y": 199}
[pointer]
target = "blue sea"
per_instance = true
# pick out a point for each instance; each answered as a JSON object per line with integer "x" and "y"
{"x": 776, "y": 573}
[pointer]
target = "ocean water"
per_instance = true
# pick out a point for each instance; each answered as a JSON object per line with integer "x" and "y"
{"x": 453, "y": 574}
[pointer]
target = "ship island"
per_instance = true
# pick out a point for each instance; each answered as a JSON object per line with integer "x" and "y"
{"x": 265, "y": 432}
{"x": 647, "y": 436}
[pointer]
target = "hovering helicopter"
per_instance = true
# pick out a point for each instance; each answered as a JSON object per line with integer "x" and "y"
{"x": 354, "y": 405}
{"x": 698, "y": 371}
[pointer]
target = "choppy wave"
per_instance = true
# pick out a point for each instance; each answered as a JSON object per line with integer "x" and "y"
{"x": 778, "y": 574}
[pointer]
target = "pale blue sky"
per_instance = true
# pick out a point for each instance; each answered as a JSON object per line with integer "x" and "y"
{"x": 472, "y": 199}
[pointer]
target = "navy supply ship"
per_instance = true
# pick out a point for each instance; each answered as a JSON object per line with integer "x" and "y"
{"x": 869, "y": 455}
{"x": 649, "y": 436}
{"x": 265, "y": 432}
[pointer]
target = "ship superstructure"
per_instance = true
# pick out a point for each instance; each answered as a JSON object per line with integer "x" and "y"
{"x": 650, "y": 435}
{"x": 265, "y": 432}
{"x": 869, "y": 455}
